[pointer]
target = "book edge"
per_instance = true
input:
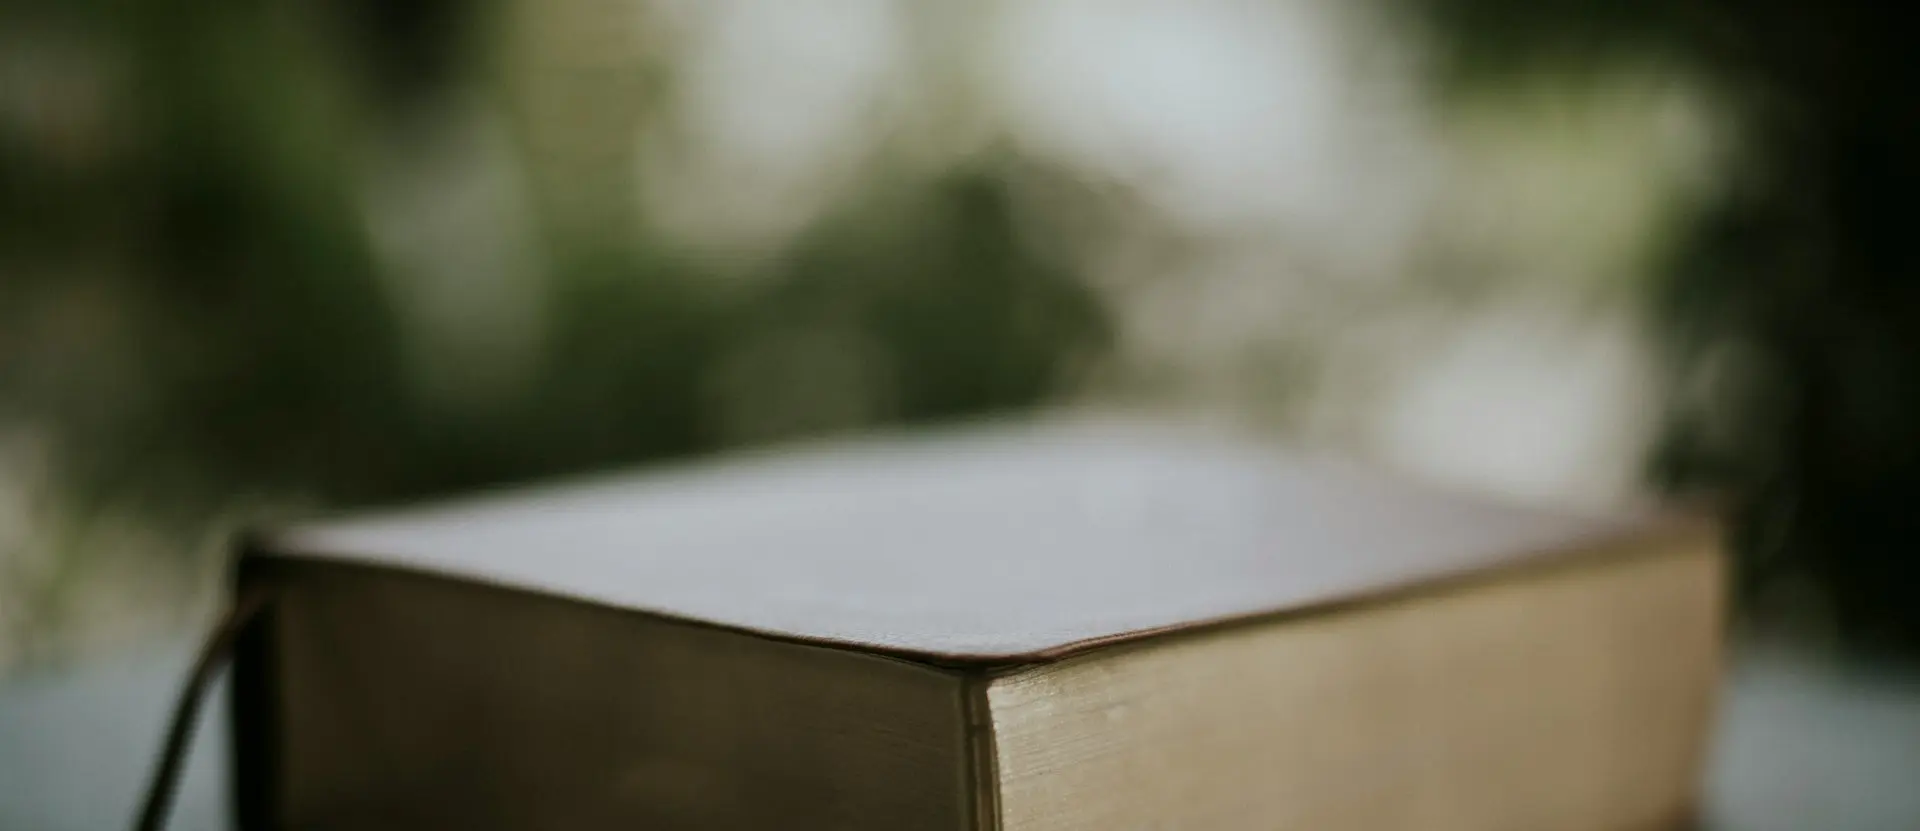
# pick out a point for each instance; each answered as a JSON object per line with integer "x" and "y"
{"x": 1678, "y": 526}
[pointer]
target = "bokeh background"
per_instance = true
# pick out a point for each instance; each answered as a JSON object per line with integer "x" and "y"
{"x": 266, "y": 258}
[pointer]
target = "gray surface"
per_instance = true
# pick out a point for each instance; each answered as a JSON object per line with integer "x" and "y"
{"x": 1810, "y": 745}
{"x": 76, "y": 746}
{"x": 1805, "y": 744}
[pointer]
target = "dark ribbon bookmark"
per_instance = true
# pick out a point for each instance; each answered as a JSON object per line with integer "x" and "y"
{"x": 213, "y": 657}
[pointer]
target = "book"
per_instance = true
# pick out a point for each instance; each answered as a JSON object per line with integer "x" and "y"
{"x": 1024, "y": 627}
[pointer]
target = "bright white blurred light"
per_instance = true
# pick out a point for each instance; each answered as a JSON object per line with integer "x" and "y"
{"x": 1533, "y": 403}
{"x": 783, "y": 85}
{"x": 774, "y": 104}
{"x": 1228, "y": 116}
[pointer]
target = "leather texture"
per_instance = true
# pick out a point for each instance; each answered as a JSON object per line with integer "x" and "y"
{"x": 993, "y": 544}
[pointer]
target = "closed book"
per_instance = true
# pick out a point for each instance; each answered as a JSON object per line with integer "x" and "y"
{"x": 1025, "y": 627}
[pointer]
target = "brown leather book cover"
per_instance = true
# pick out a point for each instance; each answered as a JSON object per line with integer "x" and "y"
{"x": 991, "y": 545}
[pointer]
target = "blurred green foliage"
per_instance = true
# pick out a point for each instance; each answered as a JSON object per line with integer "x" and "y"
{"x": 198, "y": 310}
{"x": 1791, "y": 313}
{"x": 188, "y": 295}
